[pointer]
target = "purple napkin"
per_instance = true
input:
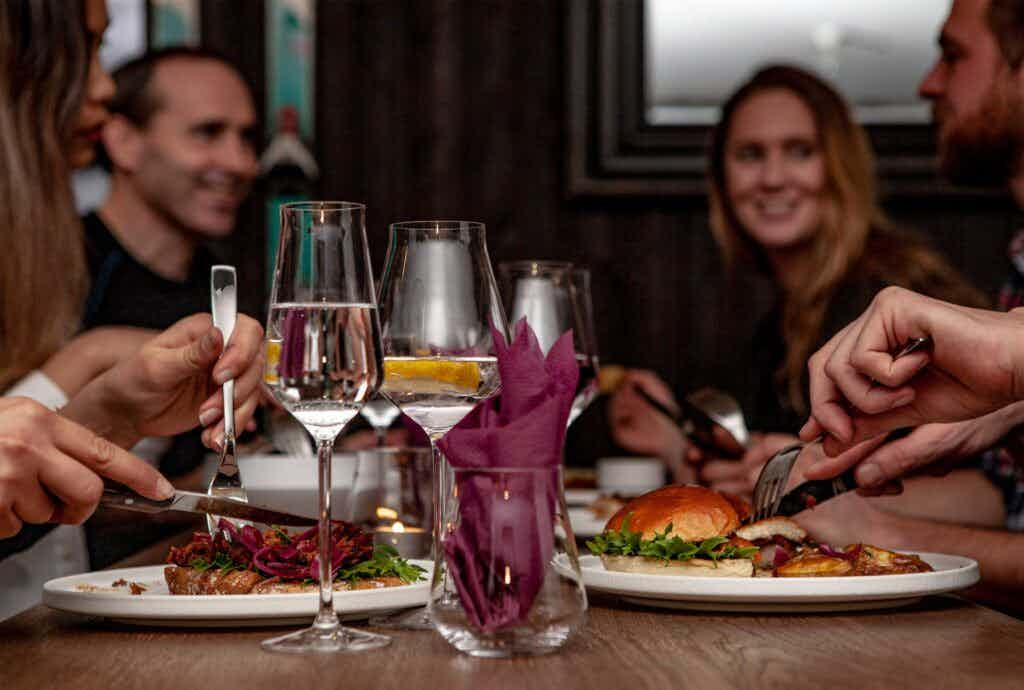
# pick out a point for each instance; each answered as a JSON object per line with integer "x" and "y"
{"x": 504, "y": 538}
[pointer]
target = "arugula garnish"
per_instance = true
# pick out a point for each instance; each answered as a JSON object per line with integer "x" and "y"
{"x": 626, "y": 542}
{"x": 385, "y": 563}
{"x": 285, "y": 537}
{"x": 221, "y": 562}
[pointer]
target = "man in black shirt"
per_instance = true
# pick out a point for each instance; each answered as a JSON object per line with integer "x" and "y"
{"x": 179, "y": 145}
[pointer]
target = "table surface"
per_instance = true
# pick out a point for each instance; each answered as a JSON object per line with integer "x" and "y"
{"x": 943, "y": 642}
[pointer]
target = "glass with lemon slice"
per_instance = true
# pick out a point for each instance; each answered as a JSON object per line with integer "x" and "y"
{"x": 438, "y": 302}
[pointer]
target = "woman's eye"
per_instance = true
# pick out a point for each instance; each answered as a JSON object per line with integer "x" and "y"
{"x": 748, "y": 153}
{"x": 800, "y": 150}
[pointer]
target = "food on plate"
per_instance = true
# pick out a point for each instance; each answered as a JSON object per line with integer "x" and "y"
{"x": 693, "y": 530}
{"x": 579, "y": 478}
{"x": 246, "y": 561}
{"x": 604, "y": 506}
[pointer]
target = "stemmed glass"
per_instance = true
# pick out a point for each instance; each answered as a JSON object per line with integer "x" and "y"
{"x": 438, "y": 302}
{"x": 380, "y": 413}
{"x": 554, "y": 296}
{"x": 323, "y": 364}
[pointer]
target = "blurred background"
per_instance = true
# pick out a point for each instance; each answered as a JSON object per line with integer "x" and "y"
{"x": 573, "y": 129}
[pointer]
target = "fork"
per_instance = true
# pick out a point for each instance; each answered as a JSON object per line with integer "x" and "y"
{"x": 774, "y": 476}
{"x": 226, "y": 481}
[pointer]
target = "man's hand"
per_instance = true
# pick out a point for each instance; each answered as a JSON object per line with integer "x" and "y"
{"x": 173, "y": 383}
{"x": 859, "y": 389}
{"x": 50, "y": 468}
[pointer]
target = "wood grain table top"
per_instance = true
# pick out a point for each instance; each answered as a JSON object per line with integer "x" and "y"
{"x": 942, "y": 642}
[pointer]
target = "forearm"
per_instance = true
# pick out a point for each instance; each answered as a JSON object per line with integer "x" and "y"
{"x": 963, "y": 497}
{"x": 1000, "y": 554}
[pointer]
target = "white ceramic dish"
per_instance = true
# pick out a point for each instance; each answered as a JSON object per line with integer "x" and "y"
{"x": 584, "y": 524}
{"x": 92, "y": 594}
{"x": 781, "y": 595}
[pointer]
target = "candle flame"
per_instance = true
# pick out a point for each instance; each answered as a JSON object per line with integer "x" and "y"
{"x": 508, "y": 575}
{"x": 506, "y": 494}
{"x": 398, "y": 526}
{"x": 387, "y": 513}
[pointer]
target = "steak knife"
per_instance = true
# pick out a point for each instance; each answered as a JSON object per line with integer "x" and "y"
{"x": 191, "y": 502}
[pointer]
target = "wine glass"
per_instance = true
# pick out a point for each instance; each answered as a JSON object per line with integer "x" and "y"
{"x": 323, "y": 364}
{"x": 438, "y": 302}
{"x": 380, "y": 413}
{"x": 554, "y": 296}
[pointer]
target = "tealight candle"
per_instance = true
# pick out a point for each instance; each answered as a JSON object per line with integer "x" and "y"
{"x": 410, "y": 542}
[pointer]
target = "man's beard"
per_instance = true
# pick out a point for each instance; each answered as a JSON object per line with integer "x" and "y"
{"x": 986, "y": 148}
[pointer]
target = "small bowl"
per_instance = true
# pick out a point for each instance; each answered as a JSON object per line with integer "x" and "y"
{"x": 630, "y": 476}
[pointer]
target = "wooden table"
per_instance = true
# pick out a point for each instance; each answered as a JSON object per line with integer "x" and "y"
{"x": 943, "y": 642}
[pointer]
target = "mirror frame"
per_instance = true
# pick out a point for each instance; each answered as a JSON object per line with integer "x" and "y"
{"x": 612, "y": 150}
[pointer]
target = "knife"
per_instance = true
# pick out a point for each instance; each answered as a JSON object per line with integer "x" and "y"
{"x": 811, "y": 493}
{"x": 694, "y": 422}
{"x": 190, "y": 502}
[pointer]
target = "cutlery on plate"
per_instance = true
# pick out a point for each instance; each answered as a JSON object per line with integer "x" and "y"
{"x": 226, "y": 482}
{"x": 191, "y": 502}
{"x": 768, "y": 491}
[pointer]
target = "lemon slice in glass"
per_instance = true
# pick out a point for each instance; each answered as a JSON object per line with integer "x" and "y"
{"x": 460, "y": 374}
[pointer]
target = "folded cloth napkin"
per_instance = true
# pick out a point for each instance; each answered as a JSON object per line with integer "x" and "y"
{"x": 503, "y": 540}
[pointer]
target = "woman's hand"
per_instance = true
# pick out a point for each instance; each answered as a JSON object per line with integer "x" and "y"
{"x": 738, "y": 475}
{"x": 641, "y": 429}
{"x": 51, "y": 468}
{"x": 174, "y": 381}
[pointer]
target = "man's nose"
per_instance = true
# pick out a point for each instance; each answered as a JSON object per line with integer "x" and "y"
{"x": 236, "y": 155}
{"x": 934, "y": 83}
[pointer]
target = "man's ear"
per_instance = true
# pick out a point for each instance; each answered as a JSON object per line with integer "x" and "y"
{"x": 123, "y": 142}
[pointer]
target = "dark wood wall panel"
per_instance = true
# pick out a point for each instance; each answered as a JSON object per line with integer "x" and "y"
{"x": 455, "y": 108}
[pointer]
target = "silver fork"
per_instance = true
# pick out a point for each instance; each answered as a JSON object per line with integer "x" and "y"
{"x": 774, "y": 477}
{"x": 227, "y": 481}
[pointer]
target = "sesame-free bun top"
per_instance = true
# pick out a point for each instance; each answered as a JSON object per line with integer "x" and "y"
{"x": 696, "y": 513}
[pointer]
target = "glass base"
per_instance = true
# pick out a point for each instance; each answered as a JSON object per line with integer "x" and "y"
{"x": 326, "y": 640}
{"x": 496, "y": 645}
{"x": 416, "y": 619}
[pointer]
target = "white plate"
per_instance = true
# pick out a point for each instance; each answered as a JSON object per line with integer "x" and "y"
{"x": 156, "y": 606}
{"x": 584, "y": 524}
{"x": 781, "y": 595}
{"x": 581, "y": 497}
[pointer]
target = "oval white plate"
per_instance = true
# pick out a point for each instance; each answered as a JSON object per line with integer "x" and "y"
{"x": 157, "y": 606}
{"x": 782, "y": 595}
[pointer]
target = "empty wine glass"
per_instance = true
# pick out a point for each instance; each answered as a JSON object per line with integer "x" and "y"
{"x": 438, "y": 302}
{"x": 554, "y": 296}
{"x": 323, "y": 364}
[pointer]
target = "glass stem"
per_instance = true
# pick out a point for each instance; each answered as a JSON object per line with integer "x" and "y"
{"x": 325, "y": 618}
{"x": 382, "y": 435}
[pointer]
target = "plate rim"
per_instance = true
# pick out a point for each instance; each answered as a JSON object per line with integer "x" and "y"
{"x": 964, "y": 572}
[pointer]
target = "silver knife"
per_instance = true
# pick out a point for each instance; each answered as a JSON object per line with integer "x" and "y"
{"x": 191, "y": 502}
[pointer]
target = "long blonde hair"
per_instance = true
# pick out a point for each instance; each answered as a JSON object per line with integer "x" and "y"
{"x": 855, "y": 233}
{"x": 44, "y": 62}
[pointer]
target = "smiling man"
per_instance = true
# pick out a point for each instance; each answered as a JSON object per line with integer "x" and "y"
{"x": 180, "y": 146}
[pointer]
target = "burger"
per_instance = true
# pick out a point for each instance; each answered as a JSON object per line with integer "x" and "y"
{"x": 695, "y": 531}
{"x": 692, "y": 530}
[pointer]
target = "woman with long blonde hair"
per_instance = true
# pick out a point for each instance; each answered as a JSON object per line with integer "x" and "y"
{"x": 52, "y": 105}
{"x": 793, "y": 196}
